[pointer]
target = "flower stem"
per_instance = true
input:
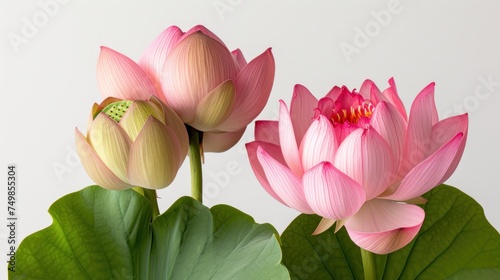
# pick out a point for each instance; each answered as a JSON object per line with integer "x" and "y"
{"x": 151, "y": 196}
{"x": 195, "y": 163}
{"x": 369, "y": 265}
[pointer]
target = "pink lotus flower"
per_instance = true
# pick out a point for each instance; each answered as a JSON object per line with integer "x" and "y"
{"x": 212, "y": 89}
{"x": 354, "y": 158}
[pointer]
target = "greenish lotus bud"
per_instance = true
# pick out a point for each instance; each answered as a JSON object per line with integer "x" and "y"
{"x": 133, "y": 143}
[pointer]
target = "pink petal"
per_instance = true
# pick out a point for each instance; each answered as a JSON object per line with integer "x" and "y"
{"x": 346, "y": 99}
{"x": 95, "y": 167}
{"x": 319, "y": 143}
{"x": 367, "y": 158}
{"x": 253, "y": 87}
{"x": 154, "y": 55}
{"x": 302, "y": 110}
{"x": 383, "y": 227}
{"x": 221, "y": 142}
{"x": 267, "y": 131}
{"x": 342, "y": 130}
{"x": 430, "y": 172}
{"x": 204, "y": 30}
{"x": 119, "y": 76}
{"x": 196, "y": 66}
{"x": 239, "y": 59}
{"x": 389, "y": 123}
{"x": 460, "y": 151}
{"x": 366, "y": 88}
{"x": 332, "y": 194}
{"x": 445, "y": 130}
{"x": 334, "y": 93}
{"x": 325, "y": 107}
{"x": 284, "y": 182}
{"x": 391, "y": 94}
{"x": 275, "y": 152}
{"x": 288, "y": 143}
{"x": 370, "y": 91}
{"x": 423, "y": 115}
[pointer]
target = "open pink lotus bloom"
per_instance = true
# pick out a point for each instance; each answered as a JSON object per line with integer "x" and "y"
{"x": 212, "y": 89}
{"x": 356, "y": 159}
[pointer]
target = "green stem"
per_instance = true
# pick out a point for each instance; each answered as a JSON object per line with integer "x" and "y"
{"x": 369, "y": 266}
{"x": 195, "y": 163}
{"x": 151, "y": 196}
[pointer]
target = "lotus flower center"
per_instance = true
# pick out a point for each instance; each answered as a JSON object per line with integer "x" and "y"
{"x": 354, "y": 113}
{"x": 116, "y": 110}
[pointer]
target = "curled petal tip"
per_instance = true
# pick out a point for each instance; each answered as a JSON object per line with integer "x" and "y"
{"x": 417, "y": 200}
{"x": 429, "y": 89}
{"x": 323, "y": 225}
{"x": 338, "y": 225}
{"x": 297, "y": 87}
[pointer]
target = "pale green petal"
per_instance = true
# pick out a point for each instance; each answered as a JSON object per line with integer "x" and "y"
{"x": 137, "y": 114}
{"x": 323, "y": 225}
{"x": 111, "y": 143}
{"x": 95, "y": 167}
{"x": 173, "y": 121}
{"x": 155, "y": 156}
{"x": 215, "y": 108}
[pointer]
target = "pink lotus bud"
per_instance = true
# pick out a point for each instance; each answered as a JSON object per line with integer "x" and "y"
{"x": 212, "y": 89}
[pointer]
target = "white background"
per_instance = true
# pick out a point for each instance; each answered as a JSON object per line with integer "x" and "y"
{"x": 48, "y": 82}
